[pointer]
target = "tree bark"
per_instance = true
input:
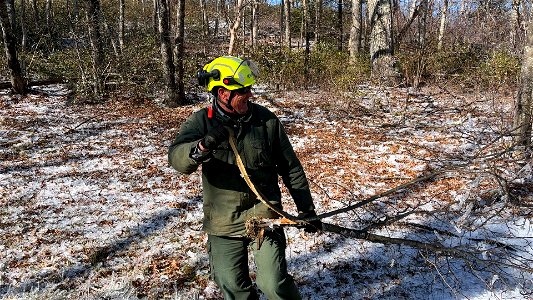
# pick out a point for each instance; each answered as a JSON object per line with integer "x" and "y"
{"x": 180, "y": 53}
{"x": 155, "y": 16}
{"x": 235, "y": 26}
{"x": 442, "y": 27}
{"x": 318, "y": 19}
{"x": 10, "y": 4}
{"x": 95, "y": 34}
{"x": 306, "y": 34}
{"x": 24, "y": 42}
{"x": 18, "y": 82}
{"x": 287, "y": 22}
{"x": 205, "y": 19}
{"x": 49, "y": 16}
{"x": 35, "y": 13}
{"x": 217, "y": 16}
{"x": 354, "y": 43}
{"x": 254, "y": 24}
{"x": 167, "y": 54}
{"x": 340, "y": 25}
{"x": 515, "y": 23}
{"x": 523, "y": 108}
{"x": 381, "y": 41}
{"x": 121, "y": 9}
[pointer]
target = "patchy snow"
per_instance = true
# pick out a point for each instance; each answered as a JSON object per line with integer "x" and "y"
{"x": 90, "y": 208}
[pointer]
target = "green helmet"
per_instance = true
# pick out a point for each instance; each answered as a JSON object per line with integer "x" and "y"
{"x": 229, "y": 72}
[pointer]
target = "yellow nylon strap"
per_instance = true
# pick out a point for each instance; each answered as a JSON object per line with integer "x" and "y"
{"x": 258, "y": 194}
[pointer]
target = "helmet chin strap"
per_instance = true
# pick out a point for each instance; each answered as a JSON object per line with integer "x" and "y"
{"x": 228, "y": 106}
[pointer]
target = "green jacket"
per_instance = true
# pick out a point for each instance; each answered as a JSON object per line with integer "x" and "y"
{"x": 266, "y": 153}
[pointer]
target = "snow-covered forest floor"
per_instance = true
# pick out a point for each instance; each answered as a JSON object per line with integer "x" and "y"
{"x": 90, "y": 209}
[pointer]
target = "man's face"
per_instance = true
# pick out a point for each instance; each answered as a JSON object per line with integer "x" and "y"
{"x": 239, "y": 101}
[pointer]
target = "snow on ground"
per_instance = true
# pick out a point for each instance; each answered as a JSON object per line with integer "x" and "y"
{"x": 90, "y": 208}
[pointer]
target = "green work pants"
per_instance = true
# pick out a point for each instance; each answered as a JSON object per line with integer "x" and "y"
{"x": 228, "y": 258}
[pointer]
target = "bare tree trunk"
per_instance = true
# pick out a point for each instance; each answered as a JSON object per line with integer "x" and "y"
{"x": 18, "y": 83}
{"x": 523, "y": 108}
{"x": 94, "y": 17}
{"x": 254, "y": 24}
{"x": 381, "y": 41}
{"x": 111, "y": 35}
{"x": 48, "y": 16}
{"x": 354, "y": 43}
{"x": 217, "y": 16}
{"x": 155, "y": 16}
{"x": 340, "y": 25}
{"x": 318, "y": 19}
{"x": 243, "y": 29}
{"x": 180, "y": 52}
{"x": 205, "y": 19}
{"x": 35, "y": 9}
{"x": 121, "y": 8}
{"x": 167, "y": 54}
{"x": 281, "y": 20}
{"x": 10, "y": 4}
{"x": 516, "y": 25}
{"x": 412, "y": 9}
{"x": 287, "y": 22}
{"x": 442, "y": 27}
{"x": 235, "y": 27}
{"x": 24, "y": 42}
{"x": 307, "y": 37}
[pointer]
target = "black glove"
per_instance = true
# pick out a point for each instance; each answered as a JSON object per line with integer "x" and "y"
{"x": 311, "y": 226}
{"x": 214, "y": 137}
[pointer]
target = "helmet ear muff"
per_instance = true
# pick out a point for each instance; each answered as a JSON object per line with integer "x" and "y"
{"x": 203, "y": 76}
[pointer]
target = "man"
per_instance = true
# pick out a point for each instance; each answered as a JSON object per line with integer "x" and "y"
{"x": 266, "y": 152}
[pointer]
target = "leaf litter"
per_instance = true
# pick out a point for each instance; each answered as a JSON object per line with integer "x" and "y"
{"x": 90, "y": 208}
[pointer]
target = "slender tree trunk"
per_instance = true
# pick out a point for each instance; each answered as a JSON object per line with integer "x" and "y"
{"x": 340, "y": 25}
{"x": 254, "y": 24}
{"x": 121, "y": 9}
{"x": 155, "y": 16}
{"x": 243, "y": 29}
{"x": 235, "y": 27}
{"x": 412, "y": 9}
{"x": 94, "y": 15}
{"x": 287, "y": 22}
{"x": 381, "y": 41}
{"x": 180, "y": 53}
{"x": 49, "y": 16}
{"x": 167, "y": 54}
{"x": 10, "y": 4}
{"x": 523, "y": 104}
{"x": 24, "y": 42}
{"x": 305, "y": 4}
{"x": 18, "y": 82}
{"x": 318, "y": 19}
{"x": 281, "y": 21}
{"x": 35, "y": 9}
{"x": 515, "y": 23}
{"x": 354, "y": 43}
{"x": 442, "y": 27}
{"x": 205, "y": 19}
{"x": 217, "y": 16}
{"x": 111, "y": 34}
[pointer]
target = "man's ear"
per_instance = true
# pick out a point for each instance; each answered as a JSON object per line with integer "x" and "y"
{"x": 221, "y": 93}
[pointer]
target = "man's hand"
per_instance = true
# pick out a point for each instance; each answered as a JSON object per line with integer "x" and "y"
{"x": 214, "y": 137}
{"x": 313, "y": 225}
